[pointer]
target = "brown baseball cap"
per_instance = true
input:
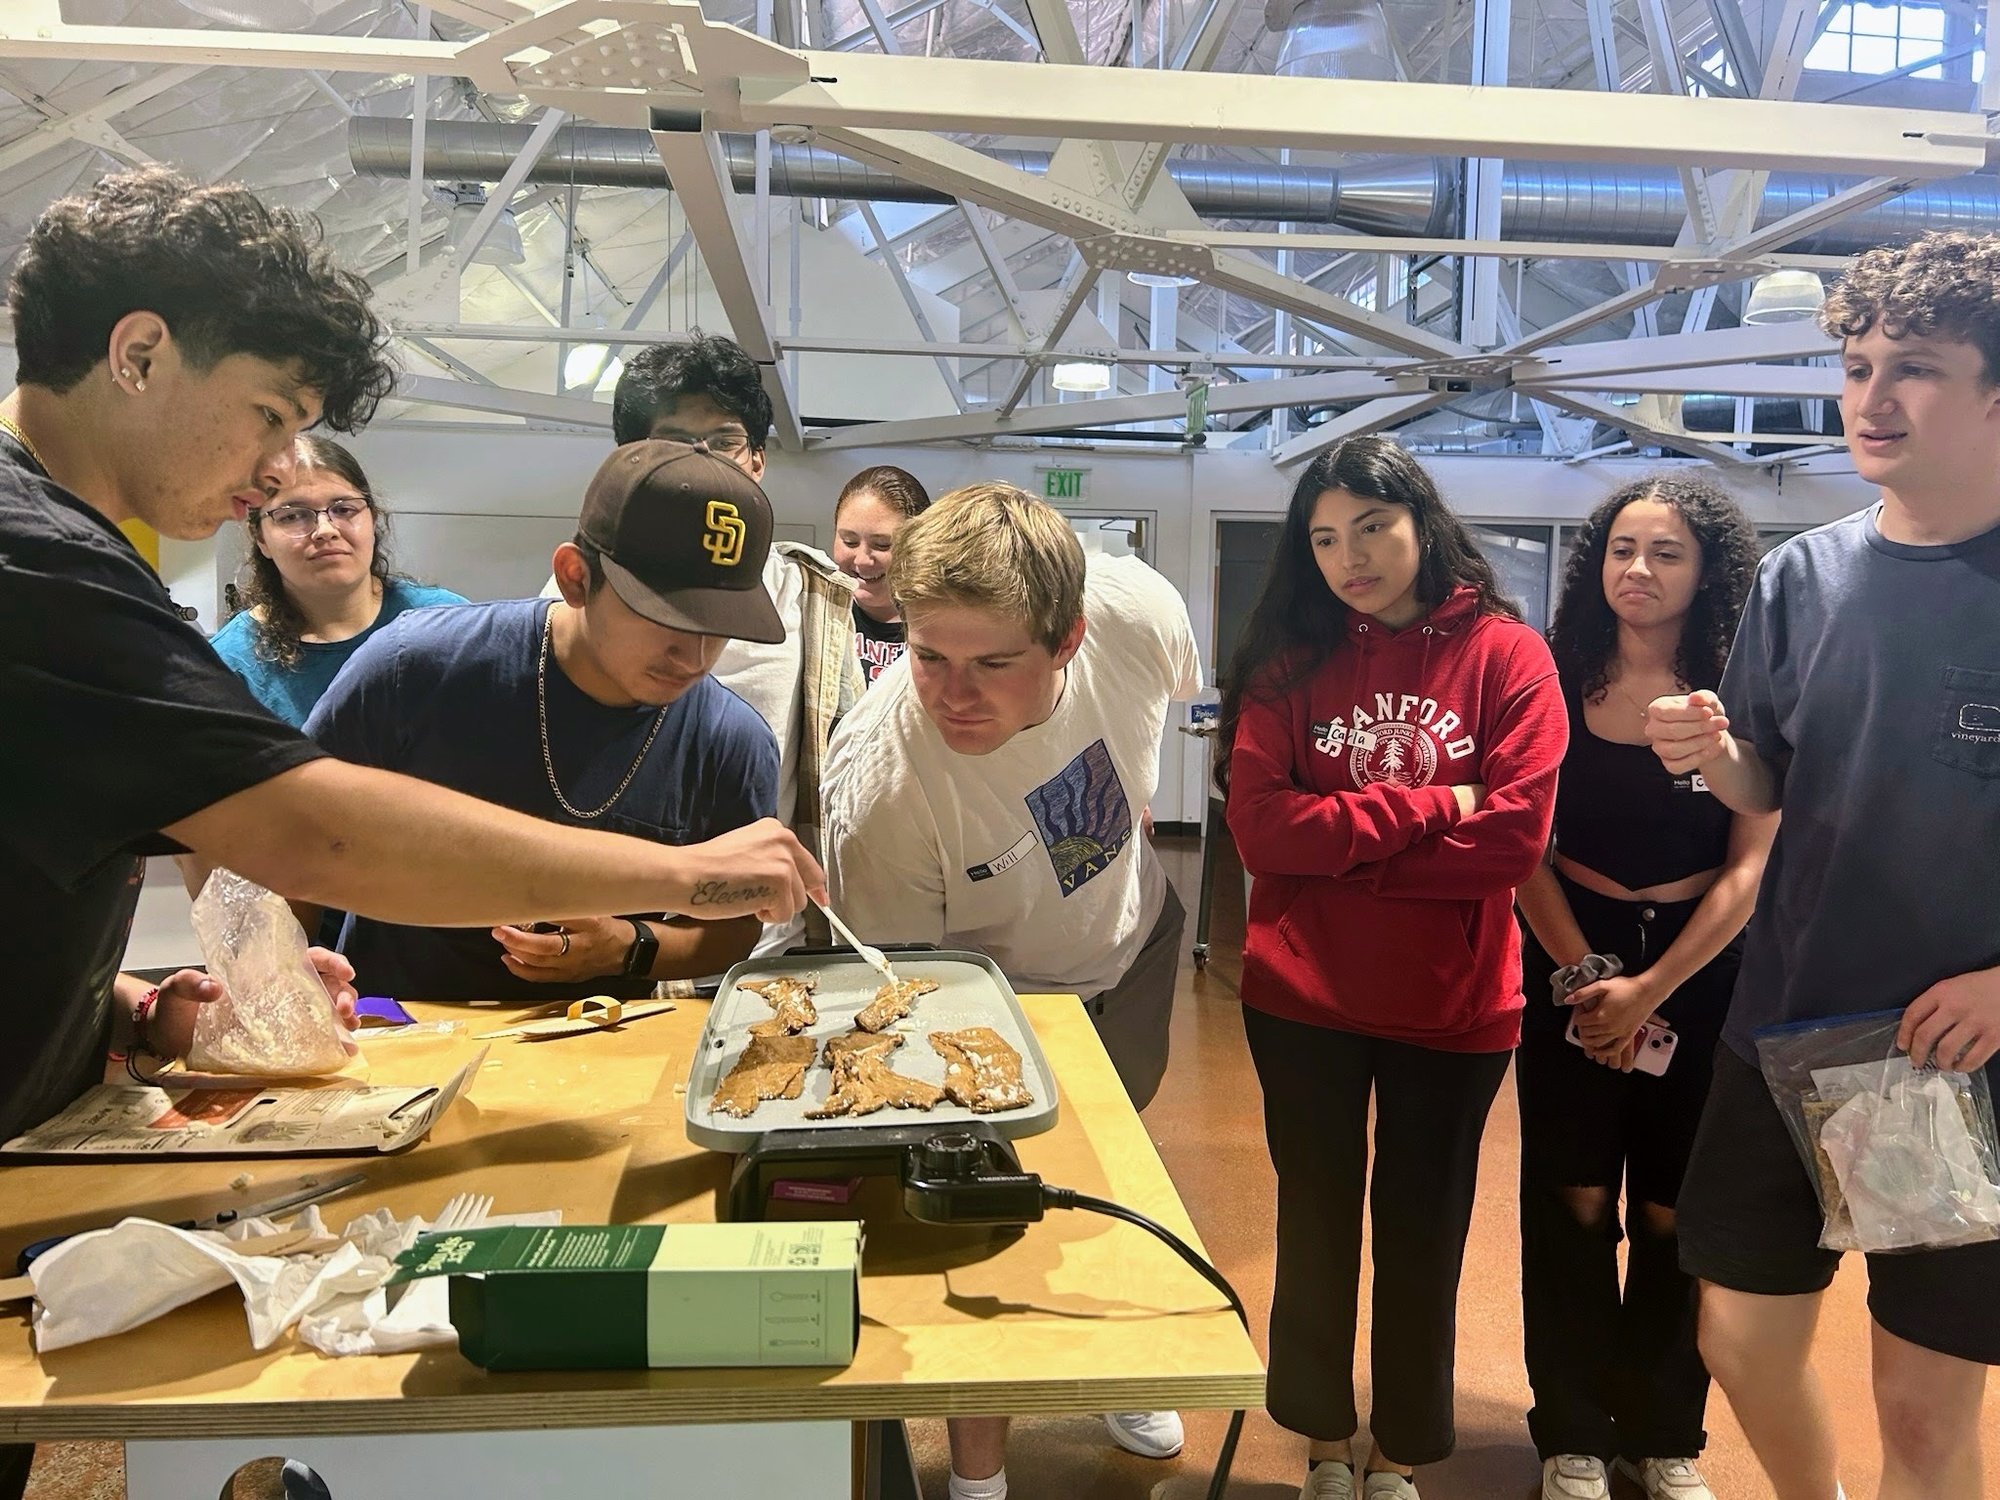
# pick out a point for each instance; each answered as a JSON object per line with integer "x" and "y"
{"x": 684, "y": 536}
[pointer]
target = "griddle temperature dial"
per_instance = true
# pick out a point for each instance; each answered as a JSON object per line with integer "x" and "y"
{"x": 958, "y": 1177}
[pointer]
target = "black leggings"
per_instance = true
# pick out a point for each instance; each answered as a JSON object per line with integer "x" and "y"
{"x": 1430, "y": 1110}
{"x": 1615, "y": 1371}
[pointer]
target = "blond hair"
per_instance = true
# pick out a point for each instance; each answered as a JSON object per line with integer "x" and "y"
{"x": 993, "y": 546}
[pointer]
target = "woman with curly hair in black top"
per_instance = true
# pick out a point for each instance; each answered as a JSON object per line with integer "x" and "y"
{"x": 1646, "y": 868}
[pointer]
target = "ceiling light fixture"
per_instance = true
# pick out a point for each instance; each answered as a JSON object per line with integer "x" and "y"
{"x": 1784, "y": 297}
{"x": 1081, "y": 375}
{"x": 587, "y": 364}
{"x": 463, "y": 203}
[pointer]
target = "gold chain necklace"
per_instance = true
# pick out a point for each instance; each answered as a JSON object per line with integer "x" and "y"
{"x": 1631, "y": 700}
{"x": 27, "y": 444}
{"x": 549, "y": 761}
{"x": 1623, "y": 693}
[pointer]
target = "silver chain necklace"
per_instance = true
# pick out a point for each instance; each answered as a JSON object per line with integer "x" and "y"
{"x": 549, "y": 761}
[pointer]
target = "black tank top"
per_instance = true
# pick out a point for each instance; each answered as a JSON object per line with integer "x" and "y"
{"x": 1623, "y": 814}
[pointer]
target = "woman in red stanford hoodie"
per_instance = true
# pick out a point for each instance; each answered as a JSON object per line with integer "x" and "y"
{"x": 1394, "y": 732}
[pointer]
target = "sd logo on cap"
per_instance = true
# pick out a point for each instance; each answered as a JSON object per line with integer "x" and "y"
{"x": 683, "y": 535}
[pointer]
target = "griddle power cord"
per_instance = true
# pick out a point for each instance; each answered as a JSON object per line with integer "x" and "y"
{"x": 1058, "y": 1197}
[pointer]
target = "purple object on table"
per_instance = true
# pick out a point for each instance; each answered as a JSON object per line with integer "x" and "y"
{"x": 382, "y": 1008}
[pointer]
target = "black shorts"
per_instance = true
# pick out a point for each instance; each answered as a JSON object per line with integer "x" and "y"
{"x": 1749, "y": 1220}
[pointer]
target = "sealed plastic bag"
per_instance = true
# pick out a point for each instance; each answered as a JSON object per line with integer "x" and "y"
{"x": 1902, "y": 1158}
{"x": 276, "y": 1020}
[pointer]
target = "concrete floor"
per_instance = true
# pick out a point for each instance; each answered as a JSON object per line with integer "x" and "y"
{"x": 1207, "y": 1124}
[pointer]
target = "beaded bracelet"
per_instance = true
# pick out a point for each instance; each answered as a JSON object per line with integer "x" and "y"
{"x": 142, "y": 1016}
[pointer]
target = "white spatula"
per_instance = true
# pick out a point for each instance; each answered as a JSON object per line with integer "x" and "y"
{"x": 873, "y": 957}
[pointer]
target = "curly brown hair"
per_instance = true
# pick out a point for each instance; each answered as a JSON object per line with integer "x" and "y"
{"x": 227, "y": 274}
{"x": 1584, "y": 637}
{"x": 1945, "y": 284}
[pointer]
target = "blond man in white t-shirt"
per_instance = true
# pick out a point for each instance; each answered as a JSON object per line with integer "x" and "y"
{"x": 990, "y": 792}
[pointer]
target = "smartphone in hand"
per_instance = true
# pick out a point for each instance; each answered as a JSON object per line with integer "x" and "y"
{"x": 1656, "y": 1046}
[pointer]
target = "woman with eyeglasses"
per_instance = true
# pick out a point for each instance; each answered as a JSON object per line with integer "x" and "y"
{"x": 319, "y": 585}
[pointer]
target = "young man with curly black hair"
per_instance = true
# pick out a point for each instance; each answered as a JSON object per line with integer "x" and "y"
{"x": 173, "y": 341}
{"x": 1857, "y": 701}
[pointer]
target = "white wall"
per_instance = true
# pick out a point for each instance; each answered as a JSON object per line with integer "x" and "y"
{"x": 480, "y": 510}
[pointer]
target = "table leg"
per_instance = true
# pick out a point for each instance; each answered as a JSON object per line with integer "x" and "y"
{"x": 1212, "y": 831}
{"x": 892, "y": 1467}
{"x": 799, "y": 1460}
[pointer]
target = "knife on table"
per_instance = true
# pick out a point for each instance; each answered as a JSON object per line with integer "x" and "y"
{"x": 311, "y": 1190}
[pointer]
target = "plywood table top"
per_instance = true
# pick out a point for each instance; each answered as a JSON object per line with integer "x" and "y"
{"x": 1077, "y": 1314}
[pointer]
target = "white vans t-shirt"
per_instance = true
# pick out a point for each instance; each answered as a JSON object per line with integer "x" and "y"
{"x": 1033, "y": 854}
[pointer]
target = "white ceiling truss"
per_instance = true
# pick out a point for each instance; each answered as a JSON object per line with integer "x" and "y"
{"x": 1364, "y": 331}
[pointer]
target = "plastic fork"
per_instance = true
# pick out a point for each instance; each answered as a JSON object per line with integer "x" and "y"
{"x": 463, "y": 1211}
{"x": 873, "y": 957}
{"x": 460, "y": 1211}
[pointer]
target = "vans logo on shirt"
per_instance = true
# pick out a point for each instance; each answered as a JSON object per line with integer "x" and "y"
{"x": 1398, "y": 742}
{"x": 1083, "y": 817}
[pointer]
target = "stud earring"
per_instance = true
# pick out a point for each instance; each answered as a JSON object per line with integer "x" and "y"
{"x": 139, "y": 384}
{"x": 125, "y": 372}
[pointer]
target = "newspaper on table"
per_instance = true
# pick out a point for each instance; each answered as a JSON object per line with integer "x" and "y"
{"x": 228, "y": 1118}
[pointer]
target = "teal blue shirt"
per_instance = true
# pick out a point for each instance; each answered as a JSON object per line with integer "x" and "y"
{"x": 291, "y": 692}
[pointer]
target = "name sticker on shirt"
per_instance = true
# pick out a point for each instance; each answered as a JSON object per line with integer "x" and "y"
{"x": 1004, "y": 862}
{"x": 1335, "y": 738}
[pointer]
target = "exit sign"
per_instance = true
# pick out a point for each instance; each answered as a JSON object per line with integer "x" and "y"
{"x": 1065, "y": 484}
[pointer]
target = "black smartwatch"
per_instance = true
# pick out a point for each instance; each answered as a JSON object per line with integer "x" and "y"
{"x": 645, "y": 950}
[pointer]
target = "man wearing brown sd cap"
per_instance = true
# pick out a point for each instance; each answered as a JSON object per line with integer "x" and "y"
{"x": 594, "y": 709}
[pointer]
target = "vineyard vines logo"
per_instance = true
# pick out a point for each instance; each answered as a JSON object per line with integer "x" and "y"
{"x": 1978, "y": 724}
{"x": 1398, "y": 742}
{"x": 723, "y": 540}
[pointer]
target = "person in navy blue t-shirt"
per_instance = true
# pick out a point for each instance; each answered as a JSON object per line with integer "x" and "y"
{"x": 595, "y": 709}
{"x": 320, "y": 581}
{"x": 1859, "y": 702}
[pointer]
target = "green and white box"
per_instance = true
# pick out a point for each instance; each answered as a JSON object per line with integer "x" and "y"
{"x": 632, "y": 1296}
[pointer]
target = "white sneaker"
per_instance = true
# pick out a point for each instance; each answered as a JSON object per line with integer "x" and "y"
{"x": 1575, "y": 1476}
{"x": 1150, "y": 1434}
{"x": 1330, "y": 1479}
{"x": 1667, "y": 1478}
{"x": 1385, "y": 1485}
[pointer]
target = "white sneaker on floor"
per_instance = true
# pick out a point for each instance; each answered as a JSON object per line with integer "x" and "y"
{"x": 1329, "y": 1479}
{"x": 1575, "y": 1476}
{"x": 978, "y": 1489}
{"x": 1667, "y": 1478}
{"x": 1150, "y": 1434}
{"x": 1384, "y": 1485}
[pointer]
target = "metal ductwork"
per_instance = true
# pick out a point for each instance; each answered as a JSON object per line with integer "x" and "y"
{"x": 1384, "y": 195}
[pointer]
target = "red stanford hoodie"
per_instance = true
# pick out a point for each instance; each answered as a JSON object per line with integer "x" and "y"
{"x": 1377, "y": 908}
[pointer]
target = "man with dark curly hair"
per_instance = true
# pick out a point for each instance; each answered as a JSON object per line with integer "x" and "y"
{"x": 1862, "y": 700}
{"x": 173, "y": 341}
